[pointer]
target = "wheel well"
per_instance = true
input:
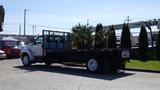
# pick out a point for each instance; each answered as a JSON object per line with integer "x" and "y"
{"x": 23, "y": 54}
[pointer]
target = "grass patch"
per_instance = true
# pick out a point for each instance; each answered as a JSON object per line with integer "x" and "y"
{"x": 147, "y": 65}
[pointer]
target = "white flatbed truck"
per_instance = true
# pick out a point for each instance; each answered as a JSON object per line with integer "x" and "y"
{"x": 55, "y": 46}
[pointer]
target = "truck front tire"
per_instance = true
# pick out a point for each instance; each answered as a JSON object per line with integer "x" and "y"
{"x": 26, "y": 60}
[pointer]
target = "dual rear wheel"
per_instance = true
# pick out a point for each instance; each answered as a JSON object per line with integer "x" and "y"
{"x": 98, "y": 65}
{"x": 94, "y": 65}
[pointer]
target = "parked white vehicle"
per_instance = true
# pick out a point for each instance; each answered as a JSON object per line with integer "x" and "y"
{"x": 2, "y": 54}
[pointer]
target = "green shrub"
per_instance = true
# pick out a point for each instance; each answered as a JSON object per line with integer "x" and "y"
{"x": 158, "y": 47}
{"x": 125, "y": 38}
{"x": 100, "y": 40}
{"x": 143, "y": 43}
{"x": 112, "y": 38}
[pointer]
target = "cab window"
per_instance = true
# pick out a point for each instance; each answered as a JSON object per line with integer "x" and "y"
{"x": 38, "y": 40}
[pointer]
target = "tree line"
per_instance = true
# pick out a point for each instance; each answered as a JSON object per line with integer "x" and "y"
{"x": 84, "y": 37}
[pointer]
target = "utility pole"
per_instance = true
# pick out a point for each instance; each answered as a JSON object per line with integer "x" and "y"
{"x": 25, "y": 10}
{"x": 19, "y": 29}
{"x": 34, "y": 29}
{"x": 128, "y": 19}
{"x": 87, "y": 22}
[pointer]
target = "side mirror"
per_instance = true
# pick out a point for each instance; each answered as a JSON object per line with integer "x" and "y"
{"x": 33, "y": 43}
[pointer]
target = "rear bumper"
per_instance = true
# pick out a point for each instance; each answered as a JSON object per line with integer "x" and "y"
{"x": 13, "y": 55}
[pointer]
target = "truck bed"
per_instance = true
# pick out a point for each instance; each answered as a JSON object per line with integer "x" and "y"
{"x": 57, "y": 48}
{"x": 110, "y": 56}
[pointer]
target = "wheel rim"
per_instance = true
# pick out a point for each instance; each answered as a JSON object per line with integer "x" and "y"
{"x": 25, "y": 60}
{"x": 92, "y": 65}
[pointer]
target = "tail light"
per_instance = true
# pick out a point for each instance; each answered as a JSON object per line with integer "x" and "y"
{"x": 6, "y": 50}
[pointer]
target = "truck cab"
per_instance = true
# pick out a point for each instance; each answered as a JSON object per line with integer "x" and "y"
{"x": 31, "y": 51}
{"x": 34, "y": 52}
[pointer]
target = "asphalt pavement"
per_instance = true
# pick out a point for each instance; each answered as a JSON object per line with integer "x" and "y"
{"x": 13, "y": 76}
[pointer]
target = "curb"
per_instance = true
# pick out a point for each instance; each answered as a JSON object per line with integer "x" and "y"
{"x": 143, "y": 70}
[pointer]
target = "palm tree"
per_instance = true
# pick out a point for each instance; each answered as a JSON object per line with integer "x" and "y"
{"x": 82, "y": 36}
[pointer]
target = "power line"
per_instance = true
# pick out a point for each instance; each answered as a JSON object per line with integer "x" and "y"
{"x": 12, "y": 23}
{"x": 37, "y": 25}
{"x": 48, "y": 26}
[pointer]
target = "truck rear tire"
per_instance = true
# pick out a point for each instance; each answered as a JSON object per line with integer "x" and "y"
{"x": 26, "y": 60}
{"x": 93, "y": 65}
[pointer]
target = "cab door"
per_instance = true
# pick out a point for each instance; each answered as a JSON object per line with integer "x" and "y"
{"x": 36, "y": 47}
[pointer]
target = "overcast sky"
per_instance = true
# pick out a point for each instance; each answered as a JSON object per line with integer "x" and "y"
{"x": 67, "y": 13}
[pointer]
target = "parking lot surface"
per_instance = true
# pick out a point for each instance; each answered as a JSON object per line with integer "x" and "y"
{"x": 13, "y": 76}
